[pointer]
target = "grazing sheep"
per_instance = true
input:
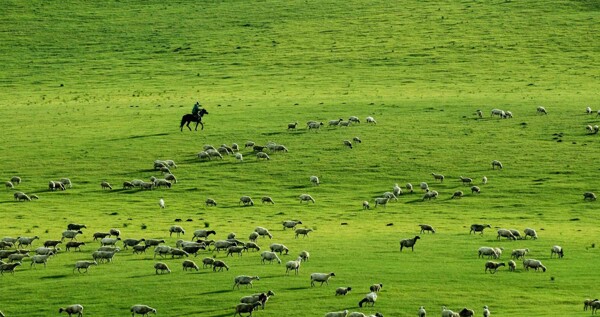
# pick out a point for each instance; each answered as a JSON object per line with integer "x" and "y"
{"x": 496, "y": 163}
{"x": 207, "y": 262}
{"x": 427, "y": 228}
{"x": 348, "y": 143}
{"x": 505, "y": 233}
{"x": 263, "y": 232}
{"x": 101, "y": 235}
{"x": 15, "y": 180}
{"x": 161, "y": 182}
{"x": 210, "y": 202}
{"x": 381, "y": 201}
{"x": 70, "y": 234}
{"x": 448, "y": 313}
{"x": 109, "y": 241}
{"x": 21, "y": 196}
{"x": 558, "y": 250}
{"x": 244, "y": 280}
{"x": 409, "y": 243}
{"x": 439, "y": 177}
{"x": 516, "y": 233}
{"x": 83, "y": 265}
{"x": 356, "y": 139}
{"x": 291, "y": 224}
{"x": 269, "y": 256}
{"x": 105, "y": 185}
{"x": 424, "y": 186}
{"x": 376, "y": 287}
{"x": 74, "y": 244}
{"x": 486, "y": 311}
{"x": 493, "y": 266}
{"x": 220, "y": 265}
{"x": 9, "y": 185}
{"x": 530, "y": 233}
{"x": 72, "y": 310}
{"x": 128, "y": 185}
{"x": 465, "y": 312}
{"x": 304, "y": 255}
{"x": 366, "y": 205}
{"x": 422, "y": 312}
{"x": 589, "y": 196}
{"x": 588, "y": 110}
{"x": 66, "y": 182}
{"x": 245, "y": 308}
{"x": 429, "y": 194}
{"x": 143, "y": 310}
{"x": 314, "y": 180}
{"x": 162, "y": 267}
{"x": 262, "y": 155}
{"x": 253, "y": 236}
{"x": 457, "y": 194}
{"x": 25, "y": 241}
{"x": 478, "y": 228}
{"x": 466, "y": 180}
{"x": 337, "y": 314}
{"x": 409, "y": 187}
{"x": 475, "y": 189}
{"x": 246, "y": 200}
{"x": 342, "y": 291}
{"x": 371, "y": 120}
{"x": 55, "y": 185}
{"x": 176, "y": 229}
{"x": 320, "y": 277}
{"x": 293, "y": 266}
{"x": 114, "y": 232}
{"x": 251, "y": 245}
{"x": 306, "y": 197}
{"x": 587, "y": 303}
{"x": 519, "y": 253}
{"x": 534, "y": 264}
{"x": 498, "y": 112}
{"x": 303, "y": 231}
{"x": 512, "y": 266}
{"x": 276, "y": 247}
{"x": 541, "y": 110}
{"x": 489, "y": 252}
{"x": 369, "y": 298}
{"x": 267, "y": 199}
{"x": 260, "y": 298}
{"x": 389, "y": 195}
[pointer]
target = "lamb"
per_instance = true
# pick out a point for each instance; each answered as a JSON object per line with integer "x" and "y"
{"x": 203, "y": 233}
{"x": 263, "y": 232}
{"x": 512, "y": 266}
{"x": 25, "y": 241}
{"x": 109, "y": 241}
{"x": 337, "y": 314}
{"x": 506, "y": 234}
{"x": 83, "y": 265}
{"x": 487, "y": 251}
{"x": 176, "y": 229}
{"x": 530, "y": 233}
{"x": 342, "y": 291}
{"x": 478, "y": 228}
{"x": 376, "y": 287}
{"x": 534, "y": 264}
{"x": 276, "y": 247}
{"x": 490, "y": 265}
{"x": 303, "y": 231}
{"x": 267, "y": 199}
{"x": 409, "y": 243}
{"x": 558, "y": 250}
{"x": 245, "y": 308}
{"x": 371, "y": 120}
{"x": 244, "y": 280}
{"x": 320, "y": 277}
{"x": 269, "y": 256}
{"x": 246, "y": 200}
{"x": 293, "y": 265}
{"x": 291, "y": 224}
{"x": 262, "y": 155}
{"x": 429, "y": 194}
{"x": 306, "y": 197}
{"x": 210, "y": 202}
{"x": 73, "y": 309}
{"x": 369, "y": 298}
{"x": 589, "y": 196}
{"x": 366, "y": 205}
{"x": 519, "y": 253}
{"x": 427, "y": 228}
{"x": 162, "y": 267}
{"x": 439, "y": 177}
{"x": 496, "y": 163}
{"x": 466, "y": 180}
{"x": 105, "y": 185}
{"x": 541, "y": 110}
{"x": 143, "y": 310}
{"x": 457, "y": 194}
{"x": 380, "y": 201}
{"x": 74, "y": 244}
{"x": 304, "y": 255}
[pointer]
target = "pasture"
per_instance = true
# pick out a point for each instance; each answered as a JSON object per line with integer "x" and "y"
{"x": 95, "y": 92}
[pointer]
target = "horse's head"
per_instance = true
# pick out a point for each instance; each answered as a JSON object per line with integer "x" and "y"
{"x": 202, "y": 112}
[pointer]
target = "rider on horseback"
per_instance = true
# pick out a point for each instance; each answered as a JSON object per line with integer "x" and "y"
{"x": 196, "y": 109}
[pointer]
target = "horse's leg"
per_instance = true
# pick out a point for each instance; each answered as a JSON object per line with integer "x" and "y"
{"x": 188, "y": 125}
{"x": 202, "y": 124}
{"x": 196, "y": 129}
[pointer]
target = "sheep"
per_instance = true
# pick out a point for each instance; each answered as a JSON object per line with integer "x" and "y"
{"x": 486, "y": 311}
{"x": 365, "y": 205}
{"x": 291, "y": 224}
{"x": 457, "y": 194}
{"x": 105, "y": 185}
{"x": 212, "y": 153}
{"x": 422, "y": 311}
{"x": 239, "y": 157}
{"x": 516, "y": 233}
{"x": 101, "y": 235}
{"x": 244, "y": 280}
{"x": 21, "y": 196}
{"x": 427, "y": 228}
{"x": 439, "y": 177}
{"x": 70, "y": 234}
{"x": 348, "y": 143}
{"x": 498, "y": 112}
{"x": 588, "y": 110}
{"x": 251, "y": 245}
{"x": 263, "y": 232}
{"x": 335, "y": 122}
{"x": 223, "y": 245}
{"x": 490, "y": 265}
{"x": 25, "y": 241}
{"x": 337, "y": 314}
{"x": 52, "y": 243}
{"x": 595, "y": 304}
{"x": 178, "y": 253}
{"x": 162, "y": 267}
{"x": 429, "y": 194}
{"x": 5, "y": 253}
{"x": 9, "y": 185}
{"x": 390, "y": 195}
{"x": 207, "y": 262}
{"x": 376, "y": 287}
{"x": 83, "y": 265}
{"x": 306, "y": 197}
{"x": 276, "y": 247}
{"x": 109, "y": 241}
{"x": 262, "y": 155}
{"x": 17, "y": 257}
{"x": 409, "y": 187}
{"x": 558, "y": 250}
{"x": 66, "y": 182}
{"x": 475, "y": 189}
{"x": 161, "y": 182}
{"x": 161, "y": 250}
{"x": 46, "y": 251}
{"x": 104, "y": 255}
{"x": 114, "y": 232}
{"x": 74, "y": 244}
{"x": 534, "y": 264}
{"x": 320, "y": 277}
{"x": 224, "y": 150}
{"x": 496, "y": 163}
{"x": 530, "y": 233}
{"x": 267, "y": 199}
{"x": 304, "y": 255}
{"x": 269, "y": 256}
{"x": 541, "y": 110}
{"x": 448, "y": 313}
{"x": 487, "y": 251}
{"x": 465, "y": 312}
{"x": 143, "y": 310}
{"x": 203, "y": 155}
{"x": 506, "y": 234}
{"x": 293, "y": 265}
{"x": 140, "y": 248}
{"x": 478, "y": 228}
{"x": 15, "y": 180}
{"x": 587, "y": 303}
{"x": 484, "y": 180}
{"x": 6, "y": 244}
{"x": 73, "y": 309}
{"x": 356, "y": 139}
{"x": 171, "y": 163}
{"x": 261, "y": 298}
{"x": 76, "y": 226}
{"x": 512, "y": 266}
{"x": 54, "y": 185}
{"x": 371, "y": 120}
{"x": 132, "y": 242}
{"x": 279, "y": 148}
{"x": 303, "y": 231}
{"x": 466, "y": 180}
{"x": 589, "y": 196}
{"x": 519, "y": 253}
{"x": 424, "y": 186}
{"x": 314, "y": 125}
{"x": 235, "y": 249}
{"x": 110, "y": 248}
{"x": 409, "y": 243}
{"x": 369, "y": 298}
{"x": 253, "y": 236}
{"x": 203, "y": 233}
{"x": 292, "y": 125}
{"x": 380, "y": 201}
{"x": 210, "y": 202}
{"x": 245, "y": 308}
{"x": 342, "y": 291}
{"x": 246, "y": 200}
{"x": 176, "y": 229}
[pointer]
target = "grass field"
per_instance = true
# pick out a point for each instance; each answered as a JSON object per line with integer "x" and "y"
{"x": 94, "y": 91}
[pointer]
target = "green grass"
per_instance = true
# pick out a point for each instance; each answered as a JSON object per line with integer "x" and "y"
{"x": 95, "y": 91}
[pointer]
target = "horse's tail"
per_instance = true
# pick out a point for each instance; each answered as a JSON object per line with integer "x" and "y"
{"x": 183, "y": 120}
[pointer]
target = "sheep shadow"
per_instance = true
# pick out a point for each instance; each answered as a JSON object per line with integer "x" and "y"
{"x": 217, "y": 292}
{"x": 145, "y": 136}
{"x": 52, "y": 277}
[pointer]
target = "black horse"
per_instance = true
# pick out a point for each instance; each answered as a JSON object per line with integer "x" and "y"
{"x": 189, "y": 118}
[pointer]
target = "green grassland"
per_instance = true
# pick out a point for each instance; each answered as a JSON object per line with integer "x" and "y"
{"x": 94, "y": 91}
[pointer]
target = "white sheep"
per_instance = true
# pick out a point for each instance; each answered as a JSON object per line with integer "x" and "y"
{"x": 425, "y": 227}
{"x": 104, "y": 255}
{"x": 239, "y": 157}
{"x": 83, "y": 265}
{"x": 389, "y": 195}
{"x": 109, "y": 241}
{"x": 176, "y": 229}
{"x": 246, "y": 200}
{"x": 203, "y": 155}
{"x": 541, "y": 110}
{"x": 422, "y": 312}
{"x": 496, "y": 163}
{"x": 409, "y": 187}
{"x": 293, "y": 265}
{"x": 487, "y": 251}
{"x": 475, "y": 189}
{"x": 105, "y": 185}
{"x": 277, "y": 247}
{"x": 588, "y": 110}
{"x": 269, "y": 256}
{"x": 9, "y": 185}
{"x": 365, "y": 205}
{"x": 335, "y": 122}
{"x": 303, "y": 231}
{"x": 356, "y": 139}
{"x": 380, "y": 201}
{"x": 162, "y": 267}
{"x": 263, "y": 232}
{"x": 430, "y": 194}
{"x": 371, "y": 120}
{"x": 498, "y": 112}
{"x": 244, "y": 280}
{"x": 354, "y": 119}
{"x": 25, "y": 241}
{"x": 530, "y": 233}
{"x": 369, "y": 298}
{"x": 512, "y": 266}
{"x": 558, "y": 250}
{"x": 267, "y": 200}
{"x": 439, "y": 177}
{"x": 66, "y": 182}
{"x": 486, "y": 311}
{"x": 161, "y": 203}
{"x": 291, "y": 224}
{"x": 253, "y": 236}
{"x": 534, "y": 264}
{"x": 505, "y": 233}
{"x": 314, "y": 125}
{"x": 314, "y": 180}
{"x": 337, "y": 314}
{"x": 72, "y": 310}
{"x": 143, "y": 310}
{"x": 466, "y": 180}
{"x": 397, "y": 191}
{"x": 320, "y": 277}
{"x": 304, "y": 255}
{"x": 519, "y": 253}
{"x": 376, "y": 287}
{"x": 424, "y": 186}
{"x": 71, "y": 234}
{"x": 484, "y": 180}
{"x": 262, "y": 155}
{"x": 306, "y": 197}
